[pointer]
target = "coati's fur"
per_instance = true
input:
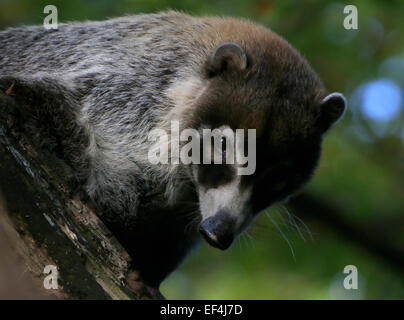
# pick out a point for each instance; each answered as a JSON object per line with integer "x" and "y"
{"x": 106, "y": 85}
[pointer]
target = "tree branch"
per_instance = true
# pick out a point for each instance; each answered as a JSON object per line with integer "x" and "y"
{"x": 51, "y": 219}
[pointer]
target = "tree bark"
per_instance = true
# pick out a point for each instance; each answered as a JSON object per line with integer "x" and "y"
{"x": 54, "y": 226}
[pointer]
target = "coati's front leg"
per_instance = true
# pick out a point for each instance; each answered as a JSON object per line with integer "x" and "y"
{"x": 160, "y": 236}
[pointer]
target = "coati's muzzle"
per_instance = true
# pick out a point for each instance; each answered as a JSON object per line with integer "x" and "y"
{"x": 218, "y": 230}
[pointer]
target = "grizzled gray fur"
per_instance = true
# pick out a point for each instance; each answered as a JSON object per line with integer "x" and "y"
{"x": 107, "y": 84}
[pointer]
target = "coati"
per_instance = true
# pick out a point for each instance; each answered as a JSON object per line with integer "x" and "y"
{"x": 110, "y": 83}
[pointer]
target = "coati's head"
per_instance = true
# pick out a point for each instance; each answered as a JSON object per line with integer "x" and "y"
{"x": 272, "y": 89}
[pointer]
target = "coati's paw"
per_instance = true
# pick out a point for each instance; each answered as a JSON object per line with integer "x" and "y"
{"x": 134, "y": 282}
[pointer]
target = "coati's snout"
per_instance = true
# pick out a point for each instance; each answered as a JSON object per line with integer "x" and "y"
{"x": 219, "y": 230}
{"x": 224, "y": 209}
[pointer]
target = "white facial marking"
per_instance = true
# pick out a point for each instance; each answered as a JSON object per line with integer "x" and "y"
{"x": 227, "y": 197}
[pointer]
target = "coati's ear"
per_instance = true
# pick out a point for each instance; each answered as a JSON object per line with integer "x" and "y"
{"x": 227, "y": 56}
{"x": 332, "y": 108}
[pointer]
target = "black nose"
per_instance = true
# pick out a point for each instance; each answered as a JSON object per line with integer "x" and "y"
{"x": 218, "y": 230}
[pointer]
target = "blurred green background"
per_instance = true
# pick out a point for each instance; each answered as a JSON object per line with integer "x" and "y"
{"x": 361, "y": 174}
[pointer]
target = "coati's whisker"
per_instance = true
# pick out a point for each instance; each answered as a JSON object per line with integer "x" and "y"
{"x": 307, "y": 229}
{"x": 292, "y": 221}
{"x": 195, "y": 221}
{"x": 282, "y": 234}
{"x": 286, "y": 224}
{"x": 239, "y": 241}
{"x": 291, "y": 224}
{"x": 245, "y": 240}
{"x": 250, "y": 238}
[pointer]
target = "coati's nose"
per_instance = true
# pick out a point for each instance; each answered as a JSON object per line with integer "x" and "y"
{"x": 218, "y": 230}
